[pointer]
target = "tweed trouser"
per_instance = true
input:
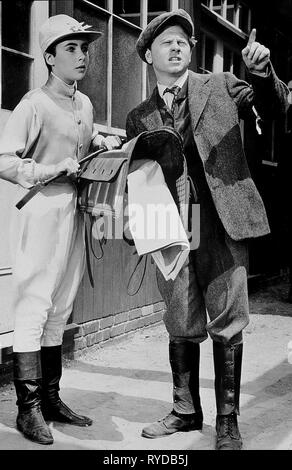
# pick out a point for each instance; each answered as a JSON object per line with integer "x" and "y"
{"x": 209, "y": 295}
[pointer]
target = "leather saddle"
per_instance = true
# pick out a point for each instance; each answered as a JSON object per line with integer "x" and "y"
{"x": 102, "y": 188}
{"x": 103, "y": 182}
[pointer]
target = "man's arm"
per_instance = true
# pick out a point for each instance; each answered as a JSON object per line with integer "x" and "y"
{"x": 270, "y": 94}
{"x": 130, "y": 127}
{"x": 265, "y": 91}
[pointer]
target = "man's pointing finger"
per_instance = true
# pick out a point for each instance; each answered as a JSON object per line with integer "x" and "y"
{"x": 252, "y": 37}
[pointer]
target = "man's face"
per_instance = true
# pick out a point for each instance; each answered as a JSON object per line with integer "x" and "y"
{"x": 170, "y": 54}
{"x": 71, "y": 60}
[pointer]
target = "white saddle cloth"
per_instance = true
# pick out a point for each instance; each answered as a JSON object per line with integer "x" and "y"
{"x": 154, "y": 220}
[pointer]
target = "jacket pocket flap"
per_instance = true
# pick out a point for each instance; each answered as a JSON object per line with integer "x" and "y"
{"x": 103, "y": 169}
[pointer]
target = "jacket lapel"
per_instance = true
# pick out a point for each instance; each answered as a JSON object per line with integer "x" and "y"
{"x": 198, "y": 92}
{"x": 152, "y": 119}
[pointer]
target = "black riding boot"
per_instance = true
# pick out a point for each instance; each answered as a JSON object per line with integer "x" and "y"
{"x": 187, "y": 413}
{"x": 227, "y": 364}
{"x": 52, "y": 406}
{"x": 27, "y": 381}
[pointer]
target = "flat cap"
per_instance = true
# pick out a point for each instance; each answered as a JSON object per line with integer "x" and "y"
{"x": 60, "y": 27}
{"x": 158, "y": 24}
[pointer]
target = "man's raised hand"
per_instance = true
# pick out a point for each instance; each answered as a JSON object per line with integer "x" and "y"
{"x": 255, "y": 55}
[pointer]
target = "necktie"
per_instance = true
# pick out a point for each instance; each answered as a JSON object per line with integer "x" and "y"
{"x": 174, "y": 91}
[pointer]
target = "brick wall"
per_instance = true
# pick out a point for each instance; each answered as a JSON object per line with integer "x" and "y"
{"x": 78, "y": 338}
{"x": 98, "y": 332}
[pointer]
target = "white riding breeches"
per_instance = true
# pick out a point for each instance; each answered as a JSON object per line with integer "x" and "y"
{"x": 47, "y": 247}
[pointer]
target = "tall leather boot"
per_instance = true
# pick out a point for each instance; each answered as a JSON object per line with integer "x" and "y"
{"x": 52, "y": 406}
{"x": 27, "y": 381}
{"x": 227, "y": 364}
{"x": 187, "y": 413}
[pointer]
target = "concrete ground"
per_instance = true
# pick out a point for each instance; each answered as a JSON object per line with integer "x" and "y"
{"x": 127, "y": 384}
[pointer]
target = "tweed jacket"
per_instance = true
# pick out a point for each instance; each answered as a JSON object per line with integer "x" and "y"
{"x": 217, "y": 102}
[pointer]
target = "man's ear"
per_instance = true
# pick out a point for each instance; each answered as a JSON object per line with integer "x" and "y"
{"x": 49, "y": 58}
{"x": 148, "y": 57}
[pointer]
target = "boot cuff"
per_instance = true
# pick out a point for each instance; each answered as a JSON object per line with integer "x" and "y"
{"x": 27, "y": 365}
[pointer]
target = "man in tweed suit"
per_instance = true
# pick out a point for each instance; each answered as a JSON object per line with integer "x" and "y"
{"x": 205, "y": 110}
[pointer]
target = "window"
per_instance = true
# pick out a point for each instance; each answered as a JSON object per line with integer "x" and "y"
{"x": 156, "y": 7}
{"x": 126, "y": 73}
{"x": 100, "y": 3}
{"x": 243, "y": 17}
{"x": 232, "y": 62}
{"x": 230, "y": 11}
{"x": 217, "y": 6}
{"x": 227, "y": 60}
{"x": 218, "y": 56}
{"x": 206, "y": 60}
{"x": 16, "y": 60}
{"x": 95, "y": 82}
{"x": 117, "y": 80}
{"x": 236, "y": 12}
{"x": 114, "y": 78}
{"x": 129, "y": 10}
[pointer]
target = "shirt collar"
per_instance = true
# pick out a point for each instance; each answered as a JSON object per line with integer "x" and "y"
{"x": 58, "y": 86}
{"x": 179, "y": 82}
